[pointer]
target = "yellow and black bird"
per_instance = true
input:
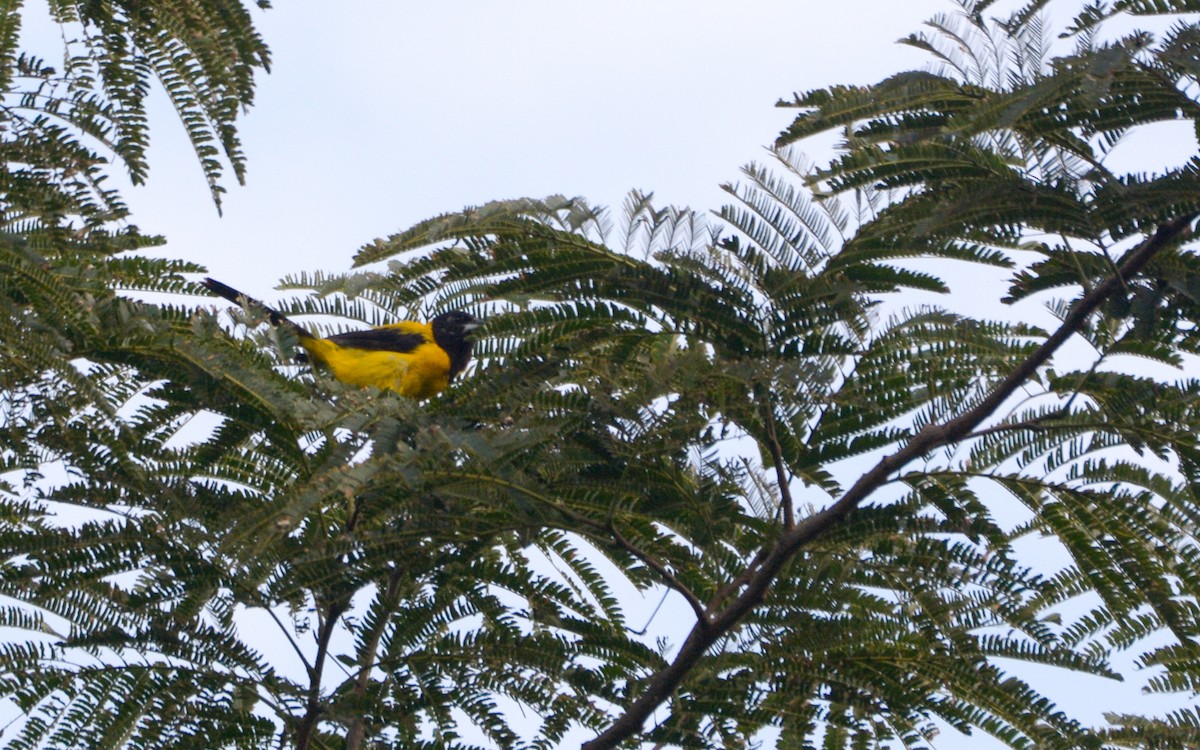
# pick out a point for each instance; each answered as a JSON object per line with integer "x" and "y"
{"x": 414, "y": 359}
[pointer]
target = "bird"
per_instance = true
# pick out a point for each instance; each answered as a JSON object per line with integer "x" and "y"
{"x": 416, "y": 360}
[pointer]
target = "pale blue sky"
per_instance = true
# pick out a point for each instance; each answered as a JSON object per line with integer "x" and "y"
{"x": 379, "y": 115}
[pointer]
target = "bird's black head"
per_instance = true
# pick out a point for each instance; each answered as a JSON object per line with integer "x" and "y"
{"x": 450, "y": 331}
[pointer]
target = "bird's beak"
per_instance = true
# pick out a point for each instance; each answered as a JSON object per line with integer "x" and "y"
{"x": 472, "y": 325}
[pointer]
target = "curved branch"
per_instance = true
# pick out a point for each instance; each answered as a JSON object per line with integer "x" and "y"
{"x": 668, "y": 577}
{"x": 659, "y": 687}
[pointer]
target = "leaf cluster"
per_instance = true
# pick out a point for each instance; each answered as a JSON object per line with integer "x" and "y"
{"x": 838, "y": 490}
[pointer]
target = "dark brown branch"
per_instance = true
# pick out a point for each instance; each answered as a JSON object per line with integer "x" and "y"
{"x": 312, "y": 714}
{"x": 336, "y": 608}
{"x": 781, "y": 477}
{"x": 660, "y": 686}
{"x": 733, "y": 586}
{"x": 668, "y": 577}
{"x": 387, "y": 602}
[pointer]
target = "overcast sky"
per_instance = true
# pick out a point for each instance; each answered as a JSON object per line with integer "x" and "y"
{"x": 377, "y": 115}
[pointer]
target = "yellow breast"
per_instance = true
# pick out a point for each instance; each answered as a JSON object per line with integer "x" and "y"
{"x": 420, "y": 373}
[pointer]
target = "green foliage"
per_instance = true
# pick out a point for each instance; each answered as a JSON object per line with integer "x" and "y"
{"x": 109, "y": 664}
{"x": 839, "y": 488}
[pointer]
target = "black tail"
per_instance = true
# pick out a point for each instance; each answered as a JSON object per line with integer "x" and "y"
{"x": 277, "y": 318}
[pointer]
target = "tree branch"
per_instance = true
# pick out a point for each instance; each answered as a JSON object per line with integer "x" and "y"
{"x": 388, "y": 597}
{"x": 312, "y": 714}
{"x": 663, "y": 683}
{"x": 781, "y": 477}
{"x": 658, "y": 567}
{"x": 337, "y": 608}
{"x": 731, "y": 588}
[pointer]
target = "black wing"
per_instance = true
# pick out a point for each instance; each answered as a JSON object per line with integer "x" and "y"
{"x": 379, "y": 339}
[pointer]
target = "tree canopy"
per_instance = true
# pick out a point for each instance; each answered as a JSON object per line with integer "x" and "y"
{"x": 737, "y": 408}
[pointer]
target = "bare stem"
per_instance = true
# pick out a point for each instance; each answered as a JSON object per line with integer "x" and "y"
{"x": 387, "y": 602}
{"x": 781, "y": 477}
{"x": 668, "y": 577}
{"x": 312, "y": 714}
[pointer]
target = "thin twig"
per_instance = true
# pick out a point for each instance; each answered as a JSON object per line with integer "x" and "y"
{"x": 1036, "y": 424}
{"x": 668, "y": 577}
{"x": 308, "y": 725}
{"x": 387, "y": 602}
{"x": 650, "y": 619}
{"x": 781, "y": 477}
